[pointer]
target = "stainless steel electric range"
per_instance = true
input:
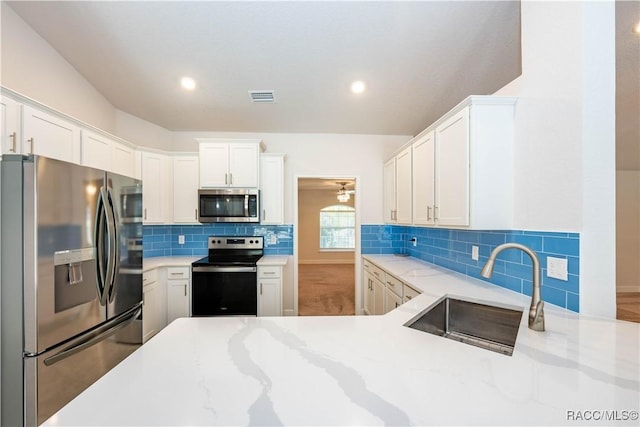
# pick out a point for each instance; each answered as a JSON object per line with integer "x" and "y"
{"x": 224, "y": 283}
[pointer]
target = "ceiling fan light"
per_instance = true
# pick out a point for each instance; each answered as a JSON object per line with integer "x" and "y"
{"x": 343, "y": 197}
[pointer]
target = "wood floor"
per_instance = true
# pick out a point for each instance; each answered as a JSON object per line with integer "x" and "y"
{"x": 326, "y": 289}
{"x": 628, "y": 306}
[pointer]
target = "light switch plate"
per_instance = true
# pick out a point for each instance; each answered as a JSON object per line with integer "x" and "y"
{"x": 474, "y": 253}
{"x": 557, "y": 268}
{"x": 181, "y": 239}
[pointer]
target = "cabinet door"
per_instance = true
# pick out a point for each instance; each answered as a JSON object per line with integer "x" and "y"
{"x": 243, "y": 164}
{"x": 403, "y": 187}
{"x": 452, "y": 170}
{"x": 272, "y": 188}
{"x": 96, "y": 150}
{"x": 367, "y": 292}
{"x": 389, "y": 192}
{"x": 378, "y": 297}
{"x": 10, "y": 126}
{"x": 391, "y": 301}
{"x": 185, "y": 189}
{"x": 177, "y": 299}
{"x": 150, "y": 315}
{"x": 269, "y": 300}
{"x": 50, "y": 136}
{"x": 423, "y": 167}
{"x": 122, "y": 159}
{"x": 214, "y": 165}
{"x": 152, "y": 191}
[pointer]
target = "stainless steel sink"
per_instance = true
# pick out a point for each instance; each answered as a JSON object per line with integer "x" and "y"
{"x": 475, "y": 323}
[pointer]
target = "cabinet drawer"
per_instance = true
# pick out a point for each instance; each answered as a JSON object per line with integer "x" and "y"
{"x": 269, "y": 272}
{"x": 394, "y": 284}
{"x": 409, "y": 293}
{"x": 377, "y": 272}
{"x": 177, "y": 273}
{"x": 149, "y": 277}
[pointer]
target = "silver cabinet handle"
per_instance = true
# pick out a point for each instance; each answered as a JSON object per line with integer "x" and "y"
{"x": 260, "y": 288}
{"x": 145, "y": 213}
{"x": 408, "y": 296}
{"x": 230, "y": 178}
{"x": 264, "y": 214}
{"x": 226, "y": 178}
{"x": 196, "y": 213}
{"x": 268, "y": 272}
{"x": 30, "y": 141}
{"x": 428, "y": 213}
{"x": 391, "y": 284}
{"x": 397, "y": 305}
{"x": 13, "y": 137}
{"x": 435, "y": 212}
{"x": 185, "y": 289}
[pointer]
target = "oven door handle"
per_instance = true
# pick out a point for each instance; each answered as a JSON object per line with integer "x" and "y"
{"x": 214, "y": 269}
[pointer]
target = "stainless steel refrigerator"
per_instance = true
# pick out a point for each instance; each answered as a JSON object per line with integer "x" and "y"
{"x": 71, "y": 269}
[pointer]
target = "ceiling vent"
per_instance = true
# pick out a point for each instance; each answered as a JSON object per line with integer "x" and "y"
{"x": 262, "y": 96}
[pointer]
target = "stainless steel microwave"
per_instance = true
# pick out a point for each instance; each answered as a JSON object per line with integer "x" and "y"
{"x": 229, "y": 205}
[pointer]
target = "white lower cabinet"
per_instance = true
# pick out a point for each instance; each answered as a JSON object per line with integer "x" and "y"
{"x": 151, "y": 308}
{"x": 381, "y": 291}
{"x": 269, "y": 291}
{"x": 178, "y": 291}
{"x": 391, "y": 300}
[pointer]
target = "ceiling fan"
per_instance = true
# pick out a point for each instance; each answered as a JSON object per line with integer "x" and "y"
{"x": 343, "y": 194}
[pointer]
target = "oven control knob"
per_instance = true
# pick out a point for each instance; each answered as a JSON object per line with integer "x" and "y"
{"x": 251, "y": 242}
{"x": 219, "y": 242}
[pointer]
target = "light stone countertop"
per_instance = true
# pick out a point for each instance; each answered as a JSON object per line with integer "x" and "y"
{"x": 371, "y": 370}
{"x": 179, "y": 261}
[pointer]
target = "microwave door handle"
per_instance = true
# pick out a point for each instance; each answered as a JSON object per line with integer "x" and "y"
{"x": 99, "y": 242}
{"x": 246, "y": 205}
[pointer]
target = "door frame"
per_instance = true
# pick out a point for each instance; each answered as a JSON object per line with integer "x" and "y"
{"x": 357, "y": 250}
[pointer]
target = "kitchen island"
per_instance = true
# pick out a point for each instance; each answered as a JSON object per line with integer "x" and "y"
{"x": 372, "y": 370}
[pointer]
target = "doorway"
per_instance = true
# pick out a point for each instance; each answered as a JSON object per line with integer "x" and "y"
{"x": 327, "y": 246}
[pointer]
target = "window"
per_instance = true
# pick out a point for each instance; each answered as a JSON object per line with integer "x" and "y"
{"x": 337, "y": 227}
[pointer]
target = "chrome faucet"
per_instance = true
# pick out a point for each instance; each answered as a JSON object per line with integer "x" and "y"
{"x": 536, "y": 313}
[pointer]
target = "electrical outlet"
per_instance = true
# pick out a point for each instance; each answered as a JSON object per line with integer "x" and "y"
{"x": 414, "y": 240}
{"x": 181, "y": 239}
{"x": 557, "y": 268}
{"x": 474, "y": 252}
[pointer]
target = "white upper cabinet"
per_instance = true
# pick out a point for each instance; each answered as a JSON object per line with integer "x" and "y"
{"x": 389, "y": 191}
{"x": 229, "y": 163}
{"x": 272, "y": 188}
{"x": 10, "y": 126}
{"x": 403, "y": 187}
{"x": 100, "y": 151}
{"x": 157, "y": 188}
{"x": 50, "y": 136}
{"x": 397, "y": 189}
{"x": 423, "y": 161}
{"x": 462, "y": 168}
{"x": 452, "y": 171}
{"x": 185, "y": 188}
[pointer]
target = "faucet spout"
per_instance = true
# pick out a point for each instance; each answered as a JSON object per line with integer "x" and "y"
{"x": 536, "y": 310}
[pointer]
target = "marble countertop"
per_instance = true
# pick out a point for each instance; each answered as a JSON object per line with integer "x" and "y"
{"x": 372, "y": 370}
{"x": 176, "y": 261}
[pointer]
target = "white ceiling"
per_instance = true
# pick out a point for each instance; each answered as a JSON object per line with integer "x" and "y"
{"x": 417, "y": 58}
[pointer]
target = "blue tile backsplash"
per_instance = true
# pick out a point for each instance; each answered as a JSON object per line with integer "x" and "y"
{"x": 162, "y": 240}
{"x": 451, "y": 249}
{"x": 447, "y": 248}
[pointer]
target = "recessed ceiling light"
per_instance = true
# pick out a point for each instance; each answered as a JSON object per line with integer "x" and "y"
{"x": 188, "y": 83}
{"x": 636, "y": 28}
{"x": 358, "y": 86}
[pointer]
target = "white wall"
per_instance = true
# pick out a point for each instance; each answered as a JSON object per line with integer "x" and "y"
{"x": 565, "y": 135}
{"x": 33, "y": 68}
{"x": 142, "y": 132}
{"x": 322, "y": 155}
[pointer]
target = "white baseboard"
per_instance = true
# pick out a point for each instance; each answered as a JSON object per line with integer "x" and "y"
{"x": 326, "y": 261}
{"x": 629, "y": 288}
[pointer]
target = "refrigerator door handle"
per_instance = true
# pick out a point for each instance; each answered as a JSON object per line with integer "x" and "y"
{"x": 94, "y": 337}
{"x": 114, "y": 256}
{"x": 111, "y": 243}
{"x": 99, "y": 242}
